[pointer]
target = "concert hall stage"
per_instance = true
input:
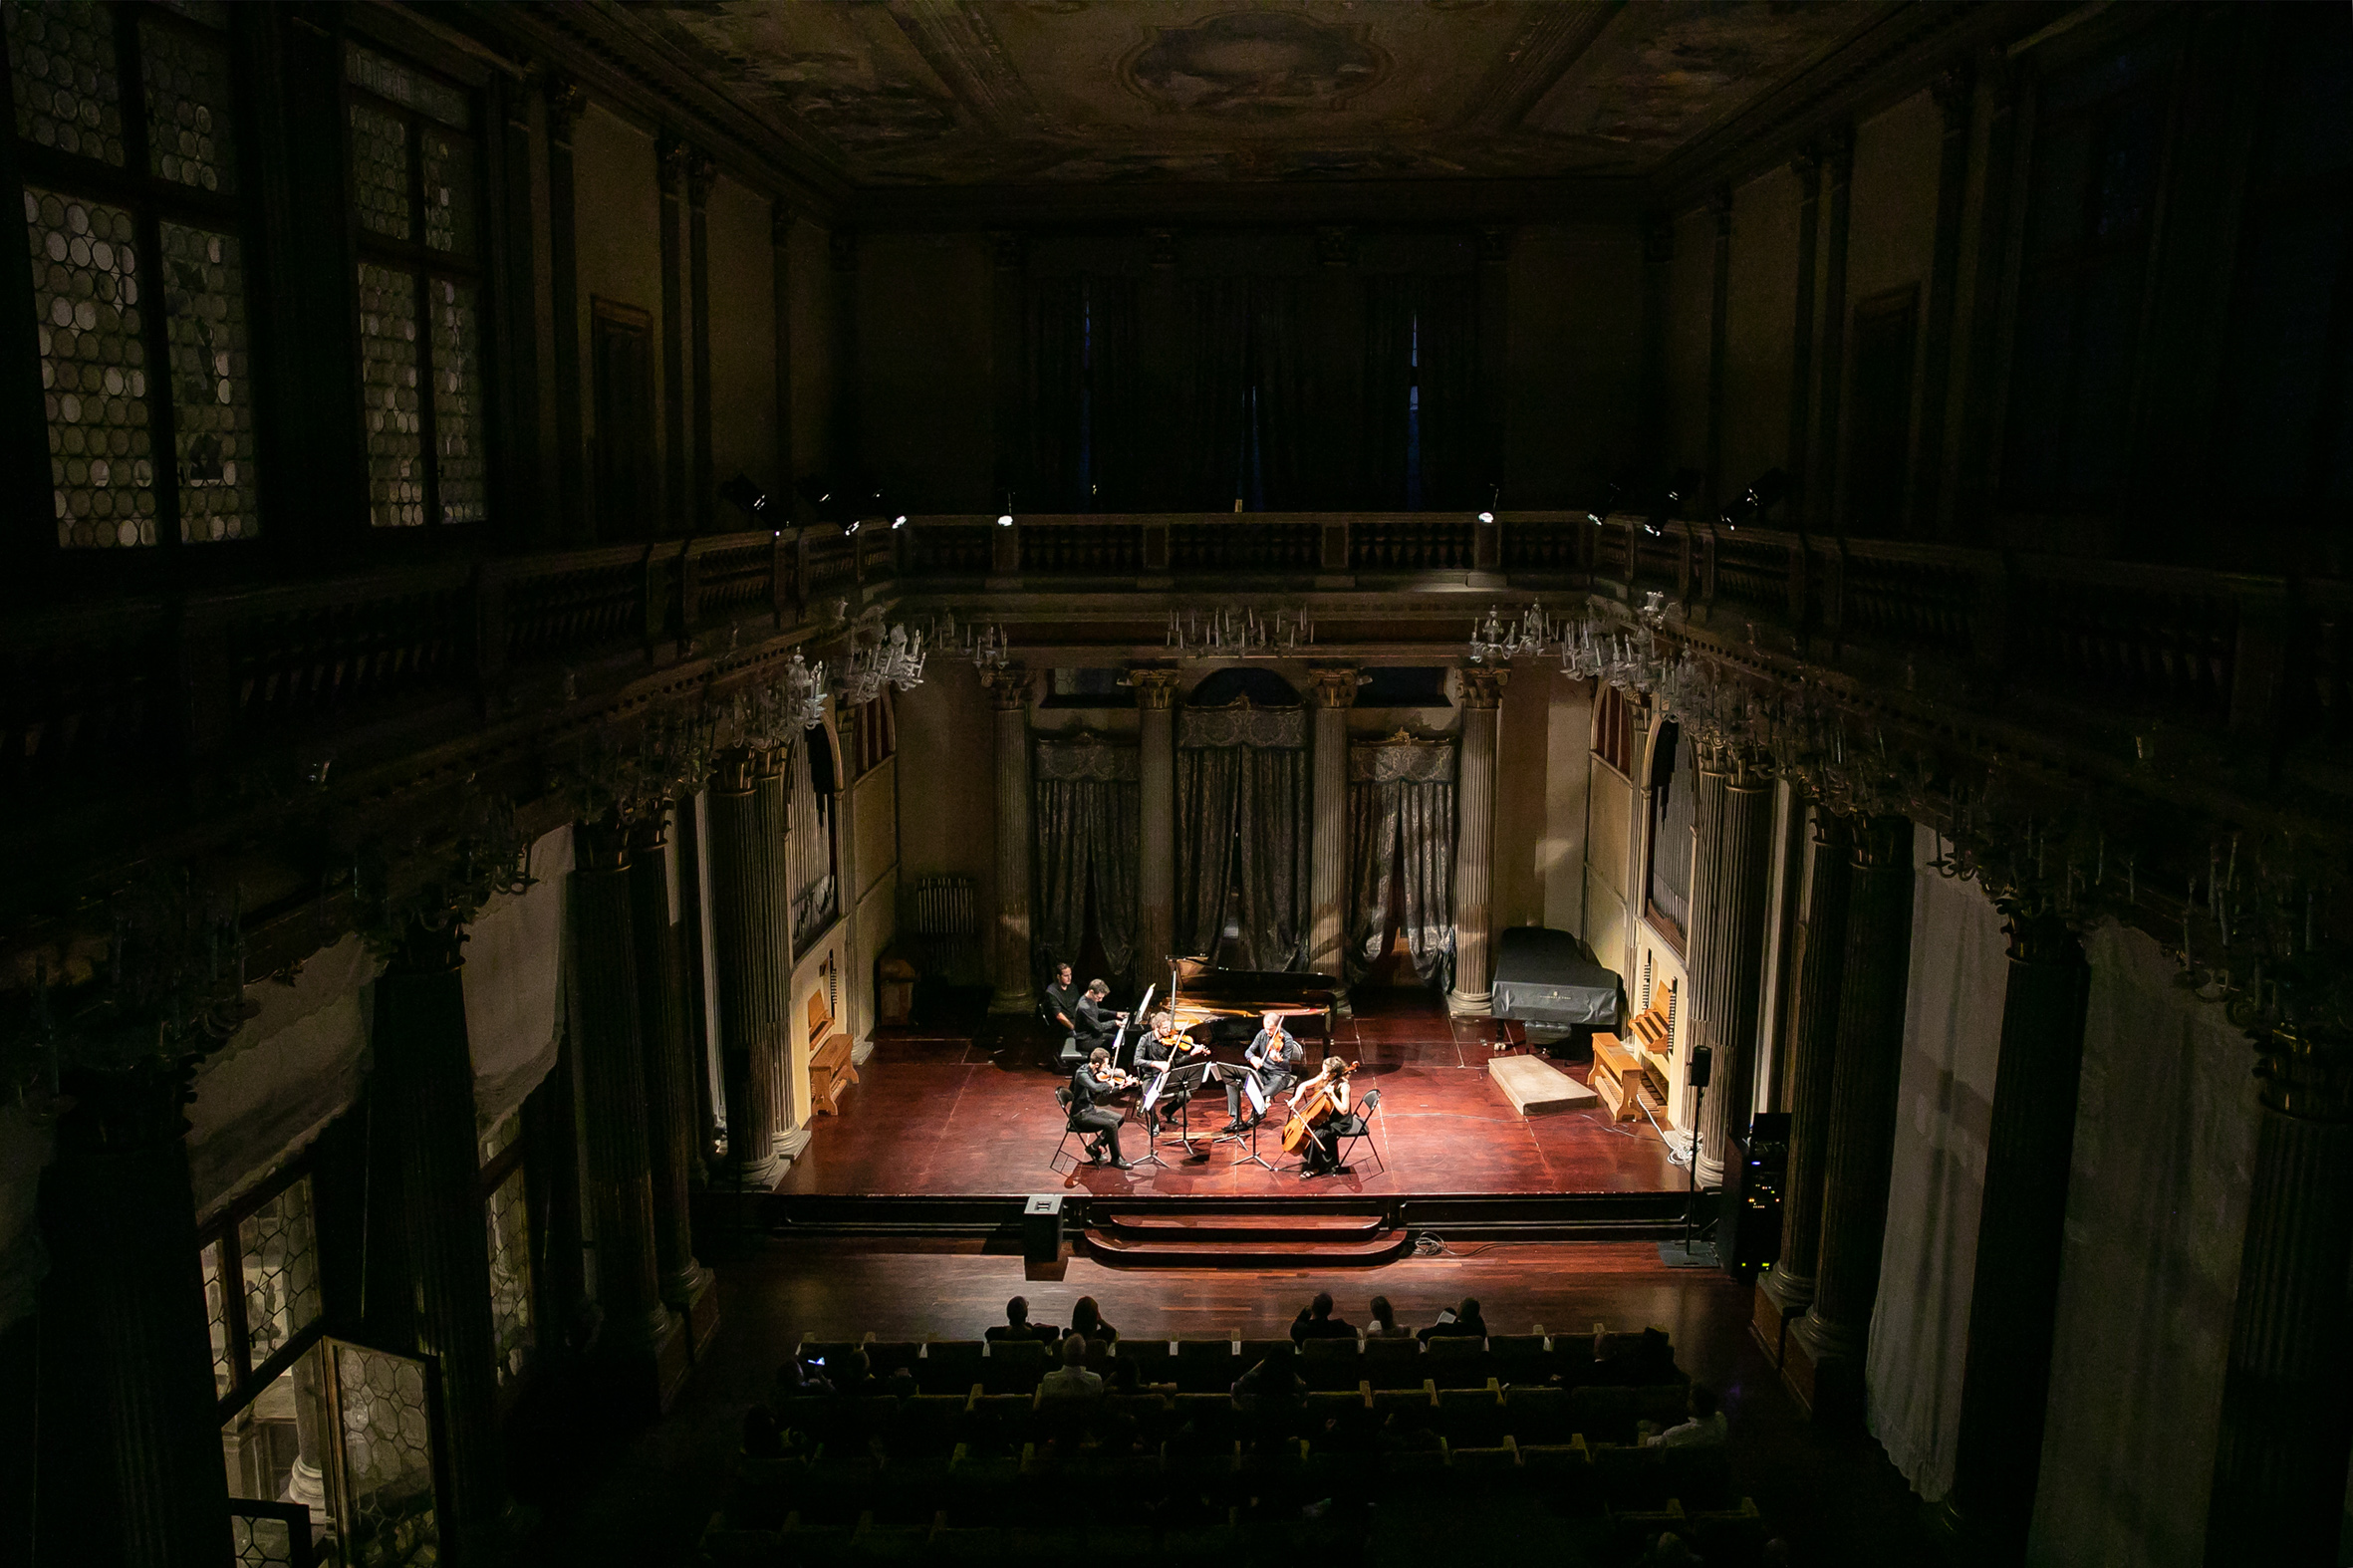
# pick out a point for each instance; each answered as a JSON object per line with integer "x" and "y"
{"x": 950, "y": 1128}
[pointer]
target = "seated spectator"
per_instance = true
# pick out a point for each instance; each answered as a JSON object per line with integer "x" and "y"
{"x": 1127, "y": 1377}
{"x": 1463, "y": 1320}
{"x": 901, "y": 1383}
{"x": 1315, "y": 1321}
{"x": 1705, "y": 1429}
{"x": 762, "y": 1438}
{"x": 1671, "y": 1548}
{"x": 1272, "y": 1385}
{"x": 1071, "y": 1380}
{"x": 797, "y": 1379}
{"x": 856, "y": 1375}
{"x": 1018, "y": 1326}
{"x": 1087, "y": 1321}
{"x": 1385, "y": 1324}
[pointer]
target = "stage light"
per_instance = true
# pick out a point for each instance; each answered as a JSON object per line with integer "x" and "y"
{"x": 1487, "y": 517}
{"x": 1494, "y": 499}
{"x": 850, "y": 527}
{"x": 1656, "y": 527}
{"x": 745, "y": 494}
{"x": 1769, "y": 490}
{"x": 1609, "y": 503}
{"x": 900, "y": 521}
{"x": 1005, "y": 518}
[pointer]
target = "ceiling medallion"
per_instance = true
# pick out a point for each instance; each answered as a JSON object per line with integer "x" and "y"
{"x": 1255, "y": 64}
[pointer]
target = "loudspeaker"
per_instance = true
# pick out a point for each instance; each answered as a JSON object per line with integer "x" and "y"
{"x": 1748, "y": 1236}
{"x": 1703, "y": 1063}
{"x": 1041, "y": 1229}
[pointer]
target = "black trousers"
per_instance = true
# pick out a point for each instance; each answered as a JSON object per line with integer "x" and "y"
{"x": 1269, "y": 1085}
{"x": 1097, "y": 1121}
{"x": 1326, "y": 1139}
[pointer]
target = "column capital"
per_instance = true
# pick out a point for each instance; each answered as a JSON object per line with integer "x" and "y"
{"x": 648, "y": 829}
{"x": 768, "y": 762}
{"x": 1155, "y": 686}
{"x": 701, "y": 169}
{"x": 2305, "y": 1074}
{"x": 1482, "y": 688}
{"x": 2037, "y": 937}
{"x": 1008, "y": 686}
{"x": 1882, "y": 841}
{"x": 601, "y": 847}
{"x": 422, "y": 948}
{"x": 731, "y": 771}
{"x": 672, "y": 155}
{"x": 1336, "y": 686}
{"x": 781, "y": 217}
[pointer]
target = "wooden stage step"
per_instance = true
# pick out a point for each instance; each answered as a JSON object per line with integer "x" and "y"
{"x": 1205, "y": 1236}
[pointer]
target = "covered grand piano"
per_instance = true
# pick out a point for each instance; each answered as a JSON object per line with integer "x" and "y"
{"x": 1551, "y": 979}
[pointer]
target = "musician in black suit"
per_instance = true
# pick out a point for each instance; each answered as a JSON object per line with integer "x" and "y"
{"x": 1165, "y": 1047}
{"x": 1089, "y": 1086}
{"x": 1098, "y": 1024}
{"x": 1272, "y": 1060}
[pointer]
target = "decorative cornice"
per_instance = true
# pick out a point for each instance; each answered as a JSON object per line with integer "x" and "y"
{"x": 565, "y": 103}
{"x": 1335, "y": 688}
{"x": 1156, "y": 689}
{"x": 701, "y": 171}
{"x": 1008, "y": 687}
{"x": 1482, "y": 688}
{"x": 672, "y": 155}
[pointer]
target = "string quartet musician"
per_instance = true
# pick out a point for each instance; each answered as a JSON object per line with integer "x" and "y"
{"x": 1323, "y": 1140}
{"x": 1097, "y": 1081}
{"x": 1165, "y": 1047}
{"x": 1271, "y": 1064}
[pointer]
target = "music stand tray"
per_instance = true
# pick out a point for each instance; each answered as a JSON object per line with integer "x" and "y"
{"x": 1184, "y": 1082}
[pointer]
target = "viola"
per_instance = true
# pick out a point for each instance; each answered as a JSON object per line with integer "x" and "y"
{"x": 1311, "y": 1112}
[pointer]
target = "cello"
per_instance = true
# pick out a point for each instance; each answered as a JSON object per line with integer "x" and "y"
{"x": 1313, "y": 1111}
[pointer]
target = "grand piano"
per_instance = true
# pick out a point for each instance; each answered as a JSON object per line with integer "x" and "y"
{"x": 1226, "y": 1004}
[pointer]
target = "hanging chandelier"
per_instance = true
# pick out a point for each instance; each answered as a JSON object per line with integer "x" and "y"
{"x": 1492, "y": 642}
{"x": 1240, "y": 634}
{"x": 986, "y": 646}
{"x": 804, "y": 690}
{"x": 880, "y": 658}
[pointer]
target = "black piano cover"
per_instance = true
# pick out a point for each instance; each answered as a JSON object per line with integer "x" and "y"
{"x": 1544, "y": 976}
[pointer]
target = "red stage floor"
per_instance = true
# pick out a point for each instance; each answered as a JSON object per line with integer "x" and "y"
{"x": 940, "y": 1114}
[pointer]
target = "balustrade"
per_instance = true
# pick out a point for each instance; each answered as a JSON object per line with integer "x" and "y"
{"x": 1397, "y": 544}
{"x": 1088, "y": 548}
{"x": 1251, "y": 545}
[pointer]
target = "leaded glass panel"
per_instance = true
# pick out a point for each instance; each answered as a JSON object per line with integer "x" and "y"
{"x": 501, "y": 1136}
{"x": 278, "y": 1258}
{"x": 457, "y": 401}
{"x": 449, "y": 190}
{"x": 61, "y": 59}
{"x": 216, "y": 1315}
{"x": 85, "y": 296}
{"x": 387, "y": 1457}
{"x": 510, "y": 1275}
{"x": 188, "y": 122}
{"x": 259, "y": 1541}
{"x": 380, "y": 172}
{"x": 389, "y": 390}
{"x": 392, "y": 81}
{"x": 211, "y": 384}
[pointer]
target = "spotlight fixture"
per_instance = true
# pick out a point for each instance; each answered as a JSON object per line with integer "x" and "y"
{"x": 1656, "y": 524}
{"x": 1609, "y": 504}
{"x": 747, "y": 495}
{"x": 1005, "y": 518}
{"x": 1768, "y": 490}
{"x": 849, "y": 527}
{"x": 900, "y": 521}
{"x": 1494, "y": 499}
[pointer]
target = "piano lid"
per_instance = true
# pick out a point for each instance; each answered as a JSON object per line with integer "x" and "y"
{"x": 1205, "y": 991}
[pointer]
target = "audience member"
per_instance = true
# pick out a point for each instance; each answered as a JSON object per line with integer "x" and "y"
{"x": 1085, "y": 1320}
{"x": 1018, "y": 1326}
{"x": 1127, "y": 1377}
{"x": 1272, "y": 1385}
{"x": 798, "y": 1378}
{"x": 1462, "y": 1320}
{"x": 1671, "y": 1548}
{"x": 1071, "y": 1380}
{"x": 1315, "y": 1321}
{"x": 1385, "y": 1324}
{"x": 1705, "y": 1429}
{"x": 762, "y": 1438}
{"x": 856, "y": 1375}
{"x": 901, "y": 1383}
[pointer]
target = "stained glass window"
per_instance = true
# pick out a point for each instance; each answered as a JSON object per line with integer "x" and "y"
{"x": 216, "y": 1313}
{"x": 278, "y": 1264}
{"x": 510, "y": 1275}
{"x": 149, "y": 281}
{"x": 420, "y": 320}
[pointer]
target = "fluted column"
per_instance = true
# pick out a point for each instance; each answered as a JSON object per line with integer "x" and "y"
{"x": 1826, "y": 1346}
{"x": 422, "y": 1091}
{"x": 1474, "y": 844}
{"x": 1789, "y": 1286}
{"x": 1729, "y": 991}
{"x": 123, "y": 1242}
{"x": 2279, "y": 1464}
{"x": 2013, "y": 1302}
{"x": 751, "y": 925}
{"x": 772, "y": 803}
{"x": 1155, "y": 876}
{"x": 1009, "y": 950}
{"x": 641, "y": 1339}
{"x": 1334, "y": 694}
{"x": 671, "y": 1114}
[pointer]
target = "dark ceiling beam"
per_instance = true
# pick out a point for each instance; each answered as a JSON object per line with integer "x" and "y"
{"x": 1245, "y": 203}
{"x": 620, "y": 63}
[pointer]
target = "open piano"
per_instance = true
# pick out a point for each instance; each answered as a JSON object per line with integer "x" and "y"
{"x": 1202, "y": 994}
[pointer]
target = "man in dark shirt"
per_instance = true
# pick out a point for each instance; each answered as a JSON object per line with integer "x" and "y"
{"x": 1315, "y": 1321}
{"x": 1098, "y": 1024}
{"x": 1462, "y": 1320}
{"x": 1273, "y": 1060}
{"x": 1018, "y": 1326}
{"x": 1086, "y": 1115}
{"x": 1059, "y": 1009}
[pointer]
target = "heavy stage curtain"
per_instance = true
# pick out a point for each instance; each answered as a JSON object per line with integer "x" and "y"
{"x": 1401, "y": 835}
{"x": 1080, "y": 368}
{"x": 1937, "y": 1185}
{"x": 1242, "y": 832}
{"x": 1086, "y": 802}
{"x": 2157, "y": 1193}
{"x": 1421, "y": 337}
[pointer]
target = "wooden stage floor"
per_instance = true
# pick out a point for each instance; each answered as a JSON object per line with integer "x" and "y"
{"x": 972, "y": 1114}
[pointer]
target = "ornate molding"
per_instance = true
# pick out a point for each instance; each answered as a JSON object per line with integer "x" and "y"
{"x": 701, "y": 171}
{"x": 2308, "y": 1075}
{"x": 1156, "y": 687}
{"x": 1335, "y": 688}
{"x": 672, "y": 157}
{"x": 1008, "y": 687}
{"x": 565, "y": 103}
{"x": 1087, "y": 756}
{"x": 1482, "y": 688}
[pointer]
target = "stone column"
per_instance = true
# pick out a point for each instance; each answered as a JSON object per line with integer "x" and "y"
{"x": 2014, "y": 1298}
{"x": 1730, "y": 989}
{"x": 787, "y": 1085}
{"x": 1009, "y": 955}
{"x": 849, "y": 881}
{"x": 2279, "y": 1463}
{"x": 1334, "y": 694}
{"x": 671, "y": 1111}
{"x": 423, "y": 1094}
{"x": 122, "y": 1235}
{"x": 1474, "y": 844}
{"x": 1156, "y": 877}
{"x": 642, "y": 1341}
{"x": 1787, "y": 1288}
{"x": 1823, "y": 1358}
{"x": 751, "y": 935}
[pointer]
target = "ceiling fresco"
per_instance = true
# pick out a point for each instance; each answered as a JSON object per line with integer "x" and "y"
{"x": 964, "y": 92}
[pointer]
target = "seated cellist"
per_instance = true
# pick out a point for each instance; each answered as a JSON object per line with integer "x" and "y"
{"x": 1322, "y": 1157}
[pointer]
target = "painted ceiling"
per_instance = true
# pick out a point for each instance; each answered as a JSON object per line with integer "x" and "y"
{"x": 962, "y": 92}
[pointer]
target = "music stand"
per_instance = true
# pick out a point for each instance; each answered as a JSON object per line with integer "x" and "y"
{"x": 1253, "y": 1158}
{"x": 1183, "y": 1081}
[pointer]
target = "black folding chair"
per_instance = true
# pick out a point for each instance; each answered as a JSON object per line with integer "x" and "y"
{"x": 1070, "y": 1130}
{"x": 1364, "y": 1120}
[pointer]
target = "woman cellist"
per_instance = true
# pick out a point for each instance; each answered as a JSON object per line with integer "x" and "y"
{"x": 1321, "y": 1118}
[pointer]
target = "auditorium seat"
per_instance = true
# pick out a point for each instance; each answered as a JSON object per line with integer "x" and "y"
{"x": 1209, "y": 1416}
{"x": 999, "y": 1423}
{"x": 1485, "y": 1463}
{"x": 1013, "y": 1366}
{"x": 1205, "y": 1365}
{"x": 886, "y": 1355}
{"x": 1254, "y": 1351}
{"x": 1329, "y": 1404}
{"x": 929, "y": 1425}
{"x": 1455, "y": 1361}
{"x": 1473, "y": 1416}
{"x": 1521, "y": 1358}
{"x": 1538, "y": 1413}
{"x": 1394, "y": 1363}
{"x": 950, "y": 1366}
{"x": 1334, "y": 1363}
{"x": 1155, "y": 1359}
{"x": 1419, "y": 1401}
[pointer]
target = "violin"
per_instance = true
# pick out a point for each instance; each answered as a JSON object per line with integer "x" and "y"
{"x": 1316, "y": 1109}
